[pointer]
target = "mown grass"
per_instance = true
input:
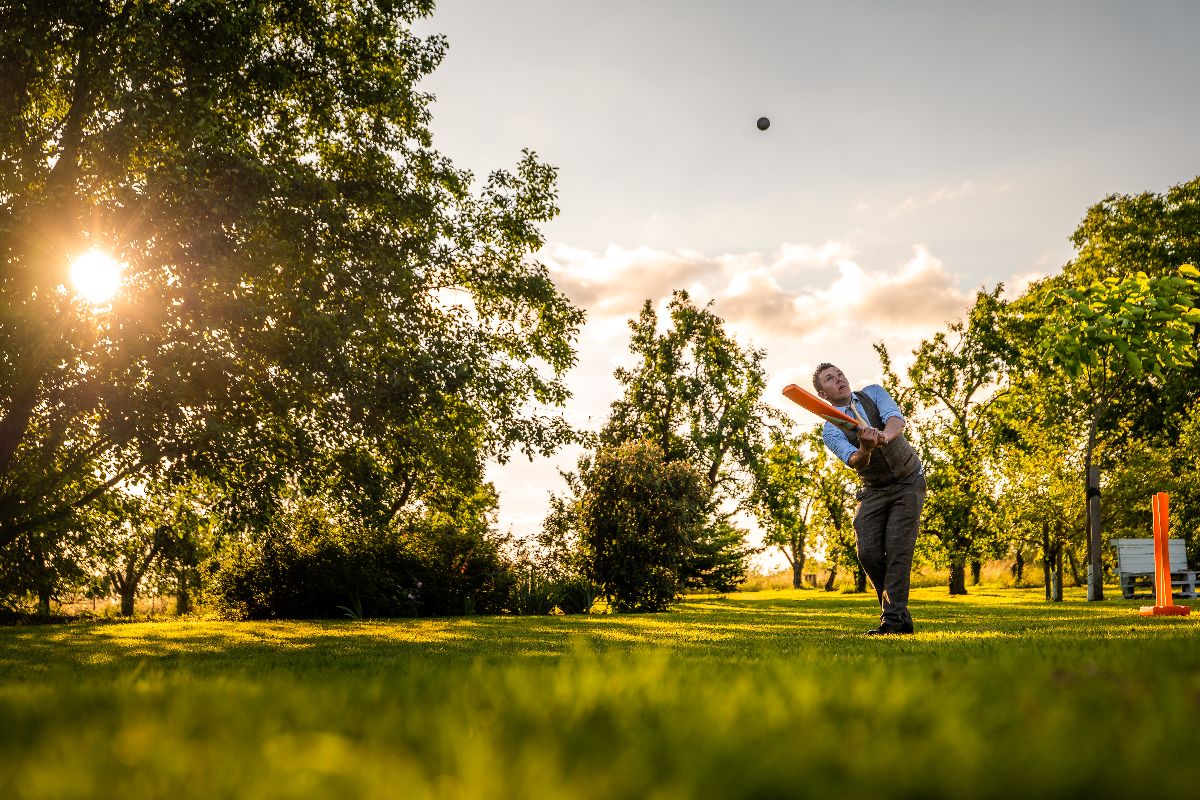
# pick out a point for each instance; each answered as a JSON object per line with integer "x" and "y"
{"x": 767, "y": 694}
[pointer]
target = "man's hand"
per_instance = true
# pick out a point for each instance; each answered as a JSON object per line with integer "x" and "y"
{"x": 869, "y": 438}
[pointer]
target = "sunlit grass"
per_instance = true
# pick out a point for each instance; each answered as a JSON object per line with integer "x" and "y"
{"x": 766, "y": 694}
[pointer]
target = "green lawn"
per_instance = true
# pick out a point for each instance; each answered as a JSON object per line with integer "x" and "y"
{"x": 768, "y": 694}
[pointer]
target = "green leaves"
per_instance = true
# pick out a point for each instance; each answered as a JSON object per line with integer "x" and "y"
{"x": 313, "y": 293}
{"x": 696, "y": 393}
{"x": 642, "y": 520}
{"x": 1138, "y": 324}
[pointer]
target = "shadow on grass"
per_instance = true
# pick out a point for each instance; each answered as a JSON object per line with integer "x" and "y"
{"x": 793, "y": 625}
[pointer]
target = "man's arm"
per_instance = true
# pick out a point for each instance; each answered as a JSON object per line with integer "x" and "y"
{"x": 891, "y": 429}
{"x": 889, "y": 412}
{"x": 837, "y": 442}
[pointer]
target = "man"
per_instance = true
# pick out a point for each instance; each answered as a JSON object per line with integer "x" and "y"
{"x": 892, "y": 493}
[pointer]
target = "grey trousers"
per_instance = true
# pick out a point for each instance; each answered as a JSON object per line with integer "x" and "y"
{"x": 885, "y": 529}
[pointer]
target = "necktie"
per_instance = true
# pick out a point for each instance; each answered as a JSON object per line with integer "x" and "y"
{"x": 854, "y": 412}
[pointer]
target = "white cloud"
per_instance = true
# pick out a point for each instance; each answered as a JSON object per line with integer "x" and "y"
{"x": 943, "y": 195}
{"x": 1015, "y": 286}
{"x": 797, "y": 291}
{"x": 619, "y": 280}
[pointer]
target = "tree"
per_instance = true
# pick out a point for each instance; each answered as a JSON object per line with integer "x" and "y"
{"x": 304, "y": 274}
{"x": 1111, "y": 300}
{"x": 955, "y": 377}
{"x": 697, "y": 395}
{"x": 1146, "y": 232}
{"x": 46, "y": 565}
{"x": 1102, "y": 339}
{"x": 641, "y": 517}
{"x": 835, "y": 486}
{"x": 786, "y": 499}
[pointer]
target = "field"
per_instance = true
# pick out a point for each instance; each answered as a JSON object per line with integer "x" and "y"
{"x": 763, "y": 694}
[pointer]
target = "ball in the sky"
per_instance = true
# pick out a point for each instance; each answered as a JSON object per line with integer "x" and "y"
{"x": 763, "y": 123}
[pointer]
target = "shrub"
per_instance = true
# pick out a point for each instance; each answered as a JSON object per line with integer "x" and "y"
{"x": 307, "y": 566}
{"x": 576, "y": 595}
{"x": 532, "y": 593}
{"x": 640, "y": 519}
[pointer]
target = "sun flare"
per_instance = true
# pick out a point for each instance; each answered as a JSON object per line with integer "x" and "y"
{"x": 96, "y": 276}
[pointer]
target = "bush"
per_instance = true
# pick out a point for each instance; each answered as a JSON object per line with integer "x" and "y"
{"x": 535, "y": 591}
{"x": 309, "y": 567}
{"x": 461, "y": 568}
{"x": 576, "y": 595}
{"x": 532, "y": 593}
{"x": 640, "y": 519}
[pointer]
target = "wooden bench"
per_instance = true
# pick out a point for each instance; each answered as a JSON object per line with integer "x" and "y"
{"x": 1135, "y": 564}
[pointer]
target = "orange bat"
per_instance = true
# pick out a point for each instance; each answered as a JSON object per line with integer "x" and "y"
{"x": 819, "y": 407}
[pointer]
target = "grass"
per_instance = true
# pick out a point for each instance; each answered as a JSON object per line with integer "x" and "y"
{"x": 765, "y": 694}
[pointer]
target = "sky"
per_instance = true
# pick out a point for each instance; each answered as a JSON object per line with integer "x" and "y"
{"x": 917, "y": 152}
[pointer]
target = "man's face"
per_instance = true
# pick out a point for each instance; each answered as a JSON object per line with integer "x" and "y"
{"x": 834, "y": 386}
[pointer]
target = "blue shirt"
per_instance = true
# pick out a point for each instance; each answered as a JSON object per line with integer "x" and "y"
{"x": 835, "y": 437}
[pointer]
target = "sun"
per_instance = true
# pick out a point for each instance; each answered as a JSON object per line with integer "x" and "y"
{"x": 96, "y": 276}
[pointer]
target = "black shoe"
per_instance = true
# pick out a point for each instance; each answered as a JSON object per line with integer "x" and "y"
{"x": 885, "y": 630}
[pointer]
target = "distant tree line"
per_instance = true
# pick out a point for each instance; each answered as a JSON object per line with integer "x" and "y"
{"x": 1010, "y": 406}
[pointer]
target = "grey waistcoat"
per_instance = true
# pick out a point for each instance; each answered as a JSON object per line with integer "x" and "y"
{"x": 889, "y": 464}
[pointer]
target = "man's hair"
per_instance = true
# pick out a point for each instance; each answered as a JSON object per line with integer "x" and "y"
{"x": 817, "y": 373}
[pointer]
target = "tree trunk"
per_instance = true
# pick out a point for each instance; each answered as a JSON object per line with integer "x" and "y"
{"x": 797, "y": 559}
{"x": 1058, "y": 573}
{"x": 976, "y": 568}
{"x": 1091, "y": 476}
{"x": 1047, "y": 560}
{"x": 958, "y": 576}
{"x": 126, "y": 583}
{"x": 1076, "y": 578}
{"x": 1018, "y": 568}
{"x": 832, "y": 577}
{"x": 128, "y": 593}
{"x": 183, "y": 600}
{"x": 860, "y": 580}
{"x": 1095, "y": 567}
{"x": 44, "y": 587}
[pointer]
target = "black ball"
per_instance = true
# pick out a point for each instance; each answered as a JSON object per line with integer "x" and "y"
{"x": 763, "y": 123}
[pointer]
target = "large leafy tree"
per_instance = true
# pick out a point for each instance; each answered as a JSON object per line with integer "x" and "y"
{"x": 1115, "y": 332}
{"x": 1103, "y": 342}
{"x": 311, "y": 292}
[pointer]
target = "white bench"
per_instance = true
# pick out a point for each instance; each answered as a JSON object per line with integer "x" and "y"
{"x": 1135, "y": 563}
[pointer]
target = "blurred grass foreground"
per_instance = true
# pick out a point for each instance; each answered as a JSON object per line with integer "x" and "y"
{"x": 764, "y": 694}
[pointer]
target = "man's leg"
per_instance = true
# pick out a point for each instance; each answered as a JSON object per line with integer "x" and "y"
{"x": 870, "y": 530}
{"x": 900, "y": 539}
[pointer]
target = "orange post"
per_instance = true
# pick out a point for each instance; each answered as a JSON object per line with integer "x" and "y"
{"x": 1163, "y": 598}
